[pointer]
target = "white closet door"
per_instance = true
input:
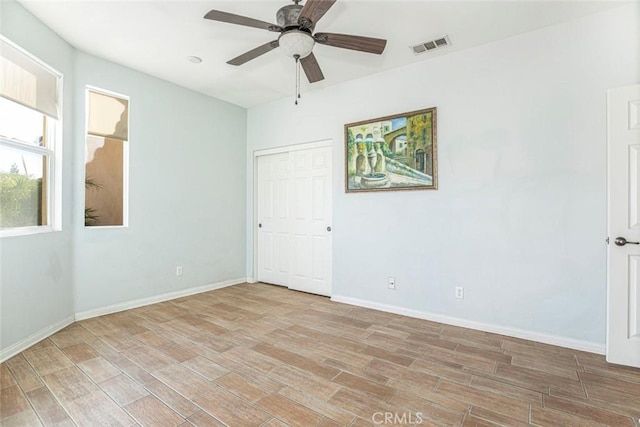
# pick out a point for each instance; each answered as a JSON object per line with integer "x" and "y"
{"x": 311, "y": 221}
{"x": 273, "y": 219}
{"x": 294, "y": 219}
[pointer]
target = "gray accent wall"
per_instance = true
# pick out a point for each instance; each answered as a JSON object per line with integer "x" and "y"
{"x": 187, "y": 184}
{"x": 186, "y": 192}
{"x": 36, "y": 271}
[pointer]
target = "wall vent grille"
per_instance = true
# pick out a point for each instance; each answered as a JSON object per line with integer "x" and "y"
{"x": 431, "y": 45}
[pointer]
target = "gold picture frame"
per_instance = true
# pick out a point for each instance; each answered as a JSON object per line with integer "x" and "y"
{"x": 397, "y": 152}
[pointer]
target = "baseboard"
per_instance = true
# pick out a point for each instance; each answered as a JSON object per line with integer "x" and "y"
{"x": 101, "y": 311}
{"x": 251, "y": 280}
{"x": 487, "y": 327}
{"x": 24, "y": 344}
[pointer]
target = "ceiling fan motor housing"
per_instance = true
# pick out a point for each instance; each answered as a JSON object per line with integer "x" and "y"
{"x": 295, "y": 40}
{"x": 287, "y": 17}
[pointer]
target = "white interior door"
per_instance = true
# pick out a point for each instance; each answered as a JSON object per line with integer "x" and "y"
{"x": 294, "y": 203}
{"x": 623, "y": 302}
{"x": 273, "y": 219}
{"x": 311, "y": 221}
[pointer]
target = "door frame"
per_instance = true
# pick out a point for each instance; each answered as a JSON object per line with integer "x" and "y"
{"x": 277, "y": 150}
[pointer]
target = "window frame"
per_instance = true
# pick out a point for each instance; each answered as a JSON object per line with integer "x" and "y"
{"x": 52, "y": 151}
{"x": 125, "y": 157}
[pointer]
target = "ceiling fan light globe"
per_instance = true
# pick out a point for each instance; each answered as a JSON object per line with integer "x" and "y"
{"x": 295, "y": 42}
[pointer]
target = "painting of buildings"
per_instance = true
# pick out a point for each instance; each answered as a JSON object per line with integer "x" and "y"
{"x": 392, "y": 153}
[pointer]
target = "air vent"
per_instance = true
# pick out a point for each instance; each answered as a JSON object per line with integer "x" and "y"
{"x": 431, "y": 45}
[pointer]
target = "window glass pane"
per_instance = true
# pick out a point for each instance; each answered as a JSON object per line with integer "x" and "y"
{"x": 22, "y": 199}
{"x": 104, "y": 181}
{"x": 21, "y": 123}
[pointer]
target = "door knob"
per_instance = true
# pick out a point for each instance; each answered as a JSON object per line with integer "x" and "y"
{"x": 260, "y": 225}
{"x": 621, "y": 241}
{"x": 328, "y": 228}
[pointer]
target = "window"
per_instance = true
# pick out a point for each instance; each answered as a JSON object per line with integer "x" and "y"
{"x": 106, "y": 154}
{"x": 29, "y": 132}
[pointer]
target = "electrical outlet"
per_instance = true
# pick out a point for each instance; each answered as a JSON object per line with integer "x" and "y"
{"x": 392, "y": 283}
{"x": 179, "y": 270}
{"x": 459, "y": 292}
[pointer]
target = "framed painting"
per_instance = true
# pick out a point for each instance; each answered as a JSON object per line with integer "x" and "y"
{"x": 392, "y": 153}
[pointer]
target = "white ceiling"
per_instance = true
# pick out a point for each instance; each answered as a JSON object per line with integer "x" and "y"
{"x": 156, "y": 37}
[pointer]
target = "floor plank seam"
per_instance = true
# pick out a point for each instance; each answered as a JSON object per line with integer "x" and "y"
{"x": 44, "y": 384}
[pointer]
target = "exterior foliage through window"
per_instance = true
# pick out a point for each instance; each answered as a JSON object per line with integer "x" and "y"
{"x": 30, "y": 93}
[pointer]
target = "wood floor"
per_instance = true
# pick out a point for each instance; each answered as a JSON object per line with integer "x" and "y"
{"x": 264, "y": 355}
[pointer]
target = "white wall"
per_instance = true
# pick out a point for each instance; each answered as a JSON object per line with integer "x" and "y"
{"x": 187, "y": 183}
{"x": 36, "y": 271}
{"x": 519, "y": 219}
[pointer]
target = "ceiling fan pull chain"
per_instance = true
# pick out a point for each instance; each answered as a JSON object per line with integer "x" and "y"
{"x": 297, "y": 95}
{"x": 298, "y": 78}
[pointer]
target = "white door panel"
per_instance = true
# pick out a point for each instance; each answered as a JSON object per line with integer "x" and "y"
{"x": 623, "y": 302}
{"x": 634, "y": 276}
{"x": 312, "y": 222}
{"x": 273, "y": 212}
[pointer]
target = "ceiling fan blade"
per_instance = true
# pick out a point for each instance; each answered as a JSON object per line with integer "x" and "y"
{"x": 345, "y": 41}
{"x": 254, "y": 53}
{"x": 312, "y": 11}
{"x": 311, "y": 68}
{"x": 231, "y": 18}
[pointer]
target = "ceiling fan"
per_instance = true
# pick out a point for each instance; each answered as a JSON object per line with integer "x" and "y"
{"x": 295, "y": 25}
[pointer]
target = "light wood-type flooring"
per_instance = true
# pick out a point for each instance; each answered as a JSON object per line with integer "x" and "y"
{"x": 262, "y": 355}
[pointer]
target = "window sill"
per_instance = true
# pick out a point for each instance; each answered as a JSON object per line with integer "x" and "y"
{"x": 27, "y": 231}
{"x": 104, "y": 227}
